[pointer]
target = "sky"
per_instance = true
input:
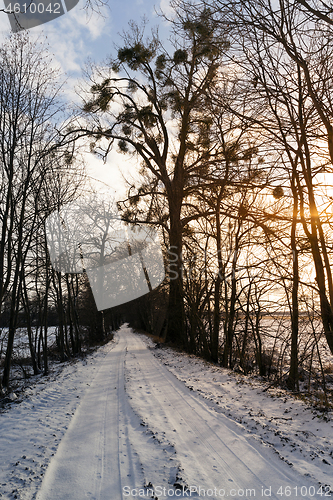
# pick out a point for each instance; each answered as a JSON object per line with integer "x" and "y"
{"x": 75, "y": 38}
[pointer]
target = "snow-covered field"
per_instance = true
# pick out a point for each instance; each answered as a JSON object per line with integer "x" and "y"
{"x": 21, "y": 342}
{"x": 276, "y": 342}
{"x": 133, "y": 420}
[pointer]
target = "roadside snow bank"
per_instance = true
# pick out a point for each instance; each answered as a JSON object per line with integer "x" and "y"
{"x": 300, "y": 434}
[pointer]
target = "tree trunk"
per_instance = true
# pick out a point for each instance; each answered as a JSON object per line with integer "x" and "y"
{"x": 292, "y": 381}
{"x": 11, "y": 334}
{"x": 217, "y": 291}
{"x": 227, "y": 352}
{"x": 176, "y": 332}
{"x": 25, "y": 301}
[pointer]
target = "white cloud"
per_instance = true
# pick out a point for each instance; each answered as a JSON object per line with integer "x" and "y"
{"x": 166, "y": 7}
{"x": 112, "y": 173}
{"x": 93, "y": 22}
{"x": 70, "y": 37}
{"x": 4, "y": 24}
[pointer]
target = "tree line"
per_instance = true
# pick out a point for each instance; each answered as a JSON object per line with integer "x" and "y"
{"x": 39, "y": 172}
{"x": 230, "y": 122}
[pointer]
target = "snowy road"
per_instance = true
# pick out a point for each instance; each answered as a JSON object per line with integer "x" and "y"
{"x": 138, "y": 426}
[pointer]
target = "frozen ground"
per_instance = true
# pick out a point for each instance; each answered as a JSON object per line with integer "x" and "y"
{"x": 133, "y": 421}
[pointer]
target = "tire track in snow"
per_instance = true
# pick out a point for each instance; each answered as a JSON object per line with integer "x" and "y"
{"x": 87, "y": 462}
{"x": 219, "y": 454}
{"x": 105, "y": 448}
{"x": 201, "y": 435}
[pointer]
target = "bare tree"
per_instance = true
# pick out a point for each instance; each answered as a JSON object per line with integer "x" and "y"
{"x": 151, "y": 103}
{"x": 29, "y": 107}
{"x": 290, "y": 44}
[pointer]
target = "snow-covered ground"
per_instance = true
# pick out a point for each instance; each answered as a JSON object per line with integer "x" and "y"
{"x": 136, "y": 421}
{"x": 301, "y": 434}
